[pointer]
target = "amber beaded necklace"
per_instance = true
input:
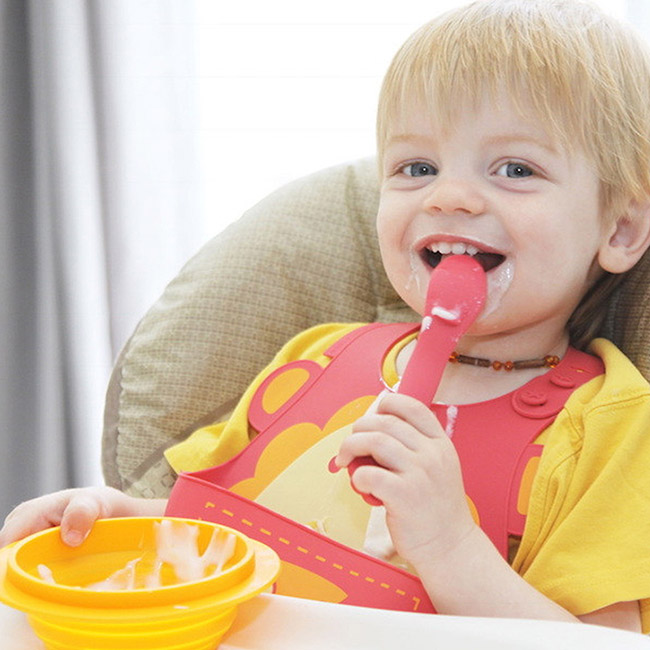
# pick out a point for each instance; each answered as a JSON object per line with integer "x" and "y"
{"x": 549, "y": 361}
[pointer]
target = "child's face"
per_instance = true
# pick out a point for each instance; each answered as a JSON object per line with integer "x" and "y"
{"x": 495, "y": 183}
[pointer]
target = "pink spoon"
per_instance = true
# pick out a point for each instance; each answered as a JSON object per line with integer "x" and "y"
{"x": 455, "y": 297}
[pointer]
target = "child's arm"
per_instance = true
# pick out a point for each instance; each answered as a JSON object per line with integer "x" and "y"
{"x": 75, "y": 510}
{"x": 420, "y": 484}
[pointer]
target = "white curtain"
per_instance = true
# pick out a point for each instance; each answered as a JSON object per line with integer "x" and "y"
{"x": 98, "y": 211}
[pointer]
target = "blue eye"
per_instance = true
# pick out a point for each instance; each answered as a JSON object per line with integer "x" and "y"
{"x": 419, "y": 169}
{"x": 515, "y": 170}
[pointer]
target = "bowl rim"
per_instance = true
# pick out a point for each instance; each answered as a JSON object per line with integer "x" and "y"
{"x": 267, "y": 567}
{"x": 27, "y": 582}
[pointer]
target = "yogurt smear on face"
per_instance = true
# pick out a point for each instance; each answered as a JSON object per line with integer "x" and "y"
{"x": 499, "y": 280}
{"x": 498, "y": 283}
{"x": 414, "y": 278}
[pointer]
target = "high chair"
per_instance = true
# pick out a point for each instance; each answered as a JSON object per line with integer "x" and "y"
{"x": 306, "y": 254}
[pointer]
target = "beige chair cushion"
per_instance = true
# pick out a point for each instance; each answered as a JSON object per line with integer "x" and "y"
{"x": 306, "y": 254}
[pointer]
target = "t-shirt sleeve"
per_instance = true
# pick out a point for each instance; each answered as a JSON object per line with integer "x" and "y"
{"x": 585, "y": 545}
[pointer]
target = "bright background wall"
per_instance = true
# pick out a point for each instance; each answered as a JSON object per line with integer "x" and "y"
{"x": 288, "y": 87}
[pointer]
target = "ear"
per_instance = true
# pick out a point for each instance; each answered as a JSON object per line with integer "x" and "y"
{"x": 626, "y": 240}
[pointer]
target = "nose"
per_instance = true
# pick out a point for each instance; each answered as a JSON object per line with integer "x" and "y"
{"x": 454, "y": 196}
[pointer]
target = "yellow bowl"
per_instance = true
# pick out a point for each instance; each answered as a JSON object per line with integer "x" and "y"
{"x": 175, "y": 616}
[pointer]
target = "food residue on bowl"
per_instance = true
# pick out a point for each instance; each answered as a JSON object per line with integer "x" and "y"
{"x": 176, "y": 546}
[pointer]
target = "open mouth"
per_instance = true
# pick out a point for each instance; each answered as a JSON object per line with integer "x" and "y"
{"x": 435, "y": 252}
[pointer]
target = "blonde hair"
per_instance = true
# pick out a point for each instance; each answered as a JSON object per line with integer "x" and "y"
{"x": 584, "y": 75}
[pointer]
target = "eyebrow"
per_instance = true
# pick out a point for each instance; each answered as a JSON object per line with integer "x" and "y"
{"x": 510, "y": 138}
{"x": 406, "y": 137}
{"x": 514, "y": 138}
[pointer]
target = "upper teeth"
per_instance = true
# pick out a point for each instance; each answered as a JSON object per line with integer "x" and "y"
{"x": 456, "y": 248}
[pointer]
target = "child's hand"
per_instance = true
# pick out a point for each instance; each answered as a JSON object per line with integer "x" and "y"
{"x": 75, "y": 510}
{"x": 419, "y": 479}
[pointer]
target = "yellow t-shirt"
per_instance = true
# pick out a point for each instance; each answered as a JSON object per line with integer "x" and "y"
{"x": 586, "y": 543}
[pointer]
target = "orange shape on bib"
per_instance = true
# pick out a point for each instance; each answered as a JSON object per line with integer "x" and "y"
{"x": 282, "y": 388}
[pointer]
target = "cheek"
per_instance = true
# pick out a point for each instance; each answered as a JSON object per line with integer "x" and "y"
{"x": 384, "y": 222}
{"x": 390, "y": 234}
{"x": 395, "y": 218}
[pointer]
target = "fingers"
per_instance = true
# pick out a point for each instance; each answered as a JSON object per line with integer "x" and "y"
{"x": 406, "y": 440}
{"x": 385, "y": 450}
{"x": 86, "y": 505}
{"x": 412, "y": 412}
{"x": 75, "y": 510}
{"x": 78, "y": 518}
{"x": 399, "y": 423}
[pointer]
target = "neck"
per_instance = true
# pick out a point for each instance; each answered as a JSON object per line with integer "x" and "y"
{"x": 515, "y": 346}
{"x": 462, "y": 384}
